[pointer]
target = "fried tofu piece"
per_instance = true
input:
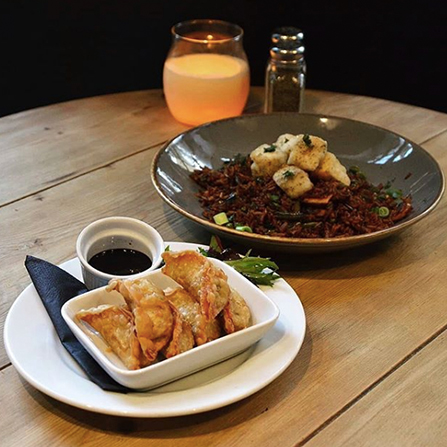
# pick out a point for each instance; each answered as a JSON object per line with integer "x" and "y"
{"x": 307, "y": 152}
{"x": 116, "y": 326}
{"x": 236, "y": 314}
{"x": 267, "y": 159}
{"x": 289, "y": 143}
{"x": 200, "y": 278}
{"x": 293, "y": 181}
{"x": 330, "y": 168}
{"x": 282, "y": 141}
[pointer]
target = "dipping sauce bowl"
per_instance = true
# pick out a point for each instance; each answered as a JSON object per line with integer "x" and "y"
{"x": 113, "y": 239}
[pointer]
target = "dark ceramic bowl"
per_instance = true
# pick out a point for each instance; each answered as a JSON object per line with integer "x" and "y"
{"x": 382, "y": 155}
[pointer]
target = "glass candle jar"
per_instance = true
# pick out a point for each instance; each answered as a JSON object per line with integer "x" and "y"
{"x": 206, "y": 74}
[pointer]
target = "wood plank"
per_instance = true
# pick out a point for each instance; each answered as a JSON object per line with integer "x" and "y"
{"x": 408, "y": 408}
{"x": 62, "y": 141}
{"x": 365, "y": 314}
{"x": 414, "y": 123}
{"x": 49, "y": 422}
{"x": 45, "y": 146}
{"x": 367, "y": 309}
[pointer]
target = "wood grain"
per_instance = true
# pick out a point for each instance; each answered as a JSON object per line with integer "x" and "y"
{"x": 408, "y": 408}
{"x": 414, "y": 123}
{"x": 368, "y": 310}
{"x": 65, "y": 140}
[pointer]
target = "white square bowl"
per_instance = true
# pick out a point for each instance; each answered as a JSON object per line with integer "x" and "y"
{"x": 264, "y": 315}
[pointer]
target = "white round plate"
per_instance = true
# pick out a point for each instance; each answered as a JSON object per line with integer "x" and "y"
{"x": 36, "y": 352}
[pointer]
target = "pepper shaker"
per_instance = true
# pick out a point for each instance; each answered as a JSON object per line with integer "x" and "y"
{"x": 286, "y": 72}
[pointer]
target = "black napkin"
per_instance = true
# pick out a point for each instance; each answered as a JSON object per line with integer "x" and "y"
{"x": 55, "y": 287}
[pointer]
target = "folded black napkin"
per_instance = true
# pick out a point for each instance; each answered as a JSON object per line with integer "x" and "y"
{"x": 55, "y": 287}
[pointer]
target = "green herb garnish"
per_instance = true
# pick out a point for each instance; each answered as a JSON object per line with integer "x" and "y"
{"x": 394, "y": 193}
{"x": 261, "y": 271}
{"x": 310, "y": 224}
{"x": 271, "y": 148}
{"x": 355, "y": 170}
{"x": 216, "y": 244}
{"x": 238, "y": 159}
{"x": 307, "y": 140}
{"x": 288, "y": 174}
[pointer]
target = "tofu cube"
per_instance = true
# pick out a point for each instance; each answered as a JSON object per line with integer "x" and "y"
{"x": 331, "y": 168}
{"x": 293, "y": 181}
{"x": 267, "y": 159}
{"x": 307, "y": 152}
{"x": 283, "y": 142}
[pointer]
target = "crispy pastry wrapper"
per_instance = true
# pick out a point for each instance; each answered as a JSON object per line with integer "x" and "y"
{"x": 200, "y": 278}
{"x": 116, "y": 326}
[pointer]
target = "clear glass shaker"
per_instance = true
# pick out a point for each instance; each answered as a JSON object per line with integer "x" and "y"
{"x": 286, "y": 72}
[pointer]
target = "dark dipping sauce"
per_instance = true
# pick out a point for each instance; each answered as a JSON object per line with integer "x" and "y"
{"x": 120, "y": 261}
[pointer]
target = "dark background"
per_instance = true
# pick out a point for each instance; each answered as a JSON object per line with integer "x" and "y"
{"x": 54, "y": 51}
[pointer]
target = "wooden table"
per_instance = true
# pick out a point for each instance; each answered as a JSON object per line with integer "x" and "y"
{"x": 373, "y": 366}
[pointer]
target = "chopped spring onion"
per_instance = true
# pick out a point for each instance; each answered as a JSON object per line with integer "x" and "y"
{"x": 383, "y": 211}
{"x": 221, "y": 218}
{"x": 394, "y": 193}
{"x": 245, "y": 228}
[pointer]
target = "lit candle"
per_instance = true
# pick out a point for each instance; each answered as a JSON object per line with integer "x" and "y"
{"x": 205, "y": 87}
{"x": 206, "y": 75}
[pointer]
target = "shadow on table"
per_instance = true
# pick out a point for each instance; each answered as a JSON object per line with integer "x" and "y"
{"x": 187, "y": 426}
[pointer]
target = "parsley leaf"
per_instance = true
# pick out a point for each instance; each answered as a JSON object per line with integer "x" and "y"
{"x": 271, "y": 148}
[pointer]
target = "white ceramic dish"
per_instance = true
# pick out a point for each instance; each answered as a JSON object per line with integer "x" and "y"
{"x": 264, "y": 315}
{"x": 36, "y": 352}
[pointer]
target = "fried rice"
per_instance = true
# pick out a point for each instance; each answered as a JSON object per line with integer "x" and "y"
{"x": 329, "y": 210}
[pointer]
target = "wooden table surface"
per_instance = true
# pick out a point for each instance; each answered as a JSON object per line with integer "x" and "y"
{"x": 373, "y": 366}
